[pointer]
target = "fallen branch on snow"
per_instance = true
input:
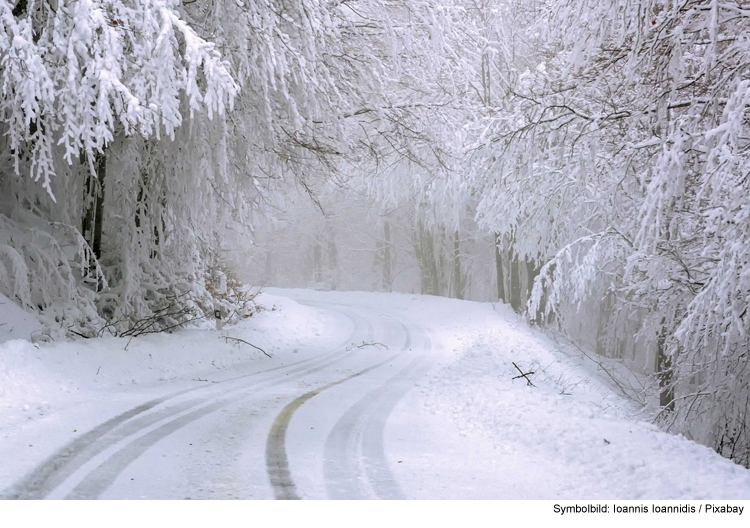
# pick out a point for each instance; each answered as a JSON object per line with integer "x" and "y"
{"x": 363, "y": 345}
{"x": 199, "y": 379}
{"x": 238, "y": 340}
{"x": 524, "y": 375}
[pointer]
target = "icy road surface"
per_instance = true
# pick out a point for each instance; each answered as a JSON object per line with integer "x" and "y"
{"x": 366, "y": 396}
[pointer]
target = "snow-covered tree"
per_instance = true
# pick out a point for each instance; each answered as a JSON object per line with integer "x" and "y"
{"x": 81, "y": 82}
{"x": 619, "y": 163}
{"x": 73, "y": 73}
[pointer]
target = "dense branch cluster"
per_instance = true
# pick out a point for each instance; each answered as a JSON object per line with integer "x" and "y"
{"x": 619, "y": 164}
{"x": 152, "y": 130}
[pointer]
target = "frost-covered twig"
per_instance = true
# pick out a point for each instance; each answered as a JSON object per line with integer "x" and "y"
{"x": 238, "y": 340}
{"x": 635, "y": 394}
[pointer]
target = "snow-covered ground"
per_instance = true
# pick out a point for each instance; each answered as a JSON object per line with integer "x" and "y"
{"x": 366, "y": 395}
{"x": 16, "y": 323}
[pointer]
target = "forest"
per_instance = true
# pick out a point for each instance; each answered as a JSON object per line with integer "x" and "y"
{"x": 585, "y": 162}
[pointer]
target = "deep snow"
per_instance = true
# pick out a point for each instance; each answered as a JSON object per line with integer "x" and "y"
{"x": 467, "y": 429}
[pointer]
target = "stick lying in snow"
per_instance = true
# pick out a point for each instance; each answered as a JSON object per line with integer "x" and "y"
{"x": 227, "y": 338}
{"x": 363, "y": 345}
{"x": 523, "y": 375}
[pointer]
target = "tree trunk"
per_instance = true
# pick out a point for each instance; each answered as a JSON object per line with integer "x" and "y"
{"x": 424, "y": 248}
{"x": 89, "y": 204}
{"x": 101, "y": 171}
{"x": 387, "y": 266}
{"x": 317, "y": 262}
{"x": 532, "y": 272}
{"x": 459, "y": 281}
{"x": 499, "y": 268}
{"x": 333, "y": 261}
{"x": 435, "y": 268}
{"x": 664, "y": 374}
{"x": 515, "y": 282}
{"x": 93, "y": 210}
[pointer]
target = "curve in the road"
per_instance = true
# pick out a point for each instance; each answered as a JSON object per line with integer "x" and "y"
{"x": 359, "y": 433}
{"x": 97, "y": 481}
{"x": 64, "y": 463}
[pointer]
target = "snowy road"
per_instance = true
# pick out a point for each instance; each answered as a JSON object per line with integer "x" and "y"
{"x": 367, "y": 396}
{"x": 256, "y": 435}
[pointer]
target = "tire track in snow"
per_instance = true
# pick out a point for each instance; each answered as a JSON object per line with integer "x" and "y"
{"x": 277, "y": 462}
{"x": 142, "y": 438}
{"x": 342, "y": 475}
{"x": 67, "y": 461}
{"x": 354, "y": 451}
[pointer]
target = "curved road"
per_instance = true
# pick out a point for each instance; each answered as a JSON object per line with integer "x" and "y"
{"x": 309, "y": 429}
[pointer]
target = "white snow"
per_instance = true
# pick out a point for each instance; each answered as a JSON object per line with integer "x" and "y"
{"x": 16, "y": 323}
{"x": 465, "y": 430}
{"x": 51, "y": 391}
{"x": 571, "y": 436}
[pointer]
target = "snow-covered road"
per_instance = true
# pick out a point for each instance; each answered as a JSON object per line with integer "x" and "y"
{"x": 296, "y": 430}
{"x": 366, "y": 396}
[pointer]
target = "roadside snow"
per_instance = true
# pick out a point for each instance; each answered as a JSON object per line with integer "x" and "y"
{"x": 37, "y": 377}
{"x": 570, "y": 430}
{"x": 570, "y": 436}
{"x": 16, "y": 323}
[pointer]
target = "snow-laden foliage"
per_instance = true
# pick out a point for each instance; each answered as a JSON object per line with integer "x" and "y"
{"x": 75, "y": 72}
{"x": 135, "y": 150}
{"x": 617, "y": 160}
{"x": 41, "y": 266}
{"x": 86, "y": 85}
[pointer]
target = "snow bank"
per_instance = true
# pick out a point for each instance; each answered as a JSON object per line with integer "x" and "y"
{"x": 572, "y": 434}
{"x": 15, "y": 323}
